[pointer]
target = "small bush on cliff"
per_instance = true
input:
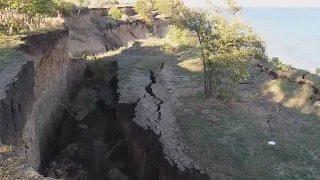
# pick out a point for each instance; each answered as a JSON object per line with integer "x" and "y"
{"x": 64, "y": 7}
{"x": 260, "y": 53}
{"x": 115, "y": 12}
{"x": 164, "y": 6}
{"x": 144, "y": 8}
{"x": 168, "y": 7}
{"x": 167, "y": 47}
{"x": 279, "y": 65}
{"x": 181, "y": 36}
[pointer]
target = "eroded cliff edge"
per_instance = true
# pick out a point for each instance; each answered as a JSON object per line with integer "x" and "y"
{"x": 31, "y": 105}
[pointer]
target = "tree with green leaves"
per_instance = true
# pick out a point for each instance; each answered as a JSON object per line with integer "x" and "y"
{"x": 4, "y": 4}
{"x": 164, "y": 6}
{"x": 24, "y": 14}
{"x": 167, "y": 7}
{"x": 226, "y": 45}
{"x": 144, "y": 8}
{"x": 318, "y": 71}
{"x": 115, "y": 12}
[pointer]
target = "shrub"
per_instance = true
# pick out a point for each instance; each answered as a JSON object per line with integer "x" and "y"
{"x": 164, "y": 6}
{"x": 180, "y": 36}
{"x": 65, "y": 7}
{"x": 143, "y": 8}
{"x": 167, "y": 48}
{"x": 279, "y": 65}
{"x": 115, "y": 12}
{"x": 261, "y": 57}
{"x": 260, "y": 51}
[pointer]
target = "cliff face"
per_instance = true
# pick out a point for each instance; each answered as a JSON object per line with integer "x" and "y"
{"x": 32, "y": 104}
{"x": 120, "y": 34}
{"x": 117, "y": 34}
{"x": 84, "y": 36}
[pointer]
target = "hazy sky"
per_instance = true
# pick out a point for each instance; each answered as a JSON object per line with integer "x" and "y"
{"x": 260, "y": 3}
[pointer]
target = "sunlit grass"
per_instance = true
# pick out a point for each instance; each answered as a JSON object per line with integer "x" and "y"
{"x": 6, "y": 149}
{"x": 290, "y": 95}
{"x": 7, "y": 43}
{"x": 193, "y": 65}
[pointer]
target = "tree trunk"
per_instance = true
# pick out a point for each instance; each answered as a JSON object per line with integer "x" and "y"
{"x": 204, "y": 67}
{"x": 211, "y": 78}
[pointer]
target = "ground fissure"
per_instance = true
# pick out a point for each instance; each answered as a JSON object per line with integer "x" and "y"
{"x": 150, "y": 92}
{"x": 104, "y": 142}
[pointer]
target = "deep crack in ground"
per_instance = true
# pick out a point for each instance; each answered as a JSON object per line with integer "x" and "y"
{"x": 149, "y": 90}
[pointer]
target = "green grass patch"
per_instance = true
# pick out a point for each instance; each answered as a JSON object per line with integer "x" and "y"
{"x": 231, "y": 143}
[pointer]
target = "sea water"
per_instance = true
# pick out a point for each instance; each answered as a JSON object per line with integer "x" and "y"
{"x": 292, "y": 34}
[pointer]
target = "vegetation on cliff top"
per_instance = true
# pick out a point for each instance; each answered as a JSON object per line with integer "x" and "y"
{"x": 28, "y": 15}
{"x": 147, "y": 9}
{"x": 115, "y": 12}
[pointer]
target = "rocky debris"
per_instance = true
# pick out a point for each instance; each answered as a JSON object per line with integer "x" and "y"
{"x": 59, "y": 172}
{"x": 64, "y": 167}
{"x": 82, "y": 126}
{"x": 80, "y": 161}
{"x": 115, "y": 174}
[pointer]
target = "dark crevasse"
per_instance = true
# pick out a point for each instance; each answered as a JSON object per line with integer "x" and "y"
{"x": 103, "y": 142}
{"x": 92, "y": 145}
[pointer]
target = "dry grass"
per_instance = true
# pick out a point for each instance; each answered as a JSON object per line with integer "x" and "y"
{"x": 291, "y": 95}
{"x": 193, "y": 65}
{"x": 8, "y": 168}
{"x": 11, "y": 167}
{"x": 5, "y": 149}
